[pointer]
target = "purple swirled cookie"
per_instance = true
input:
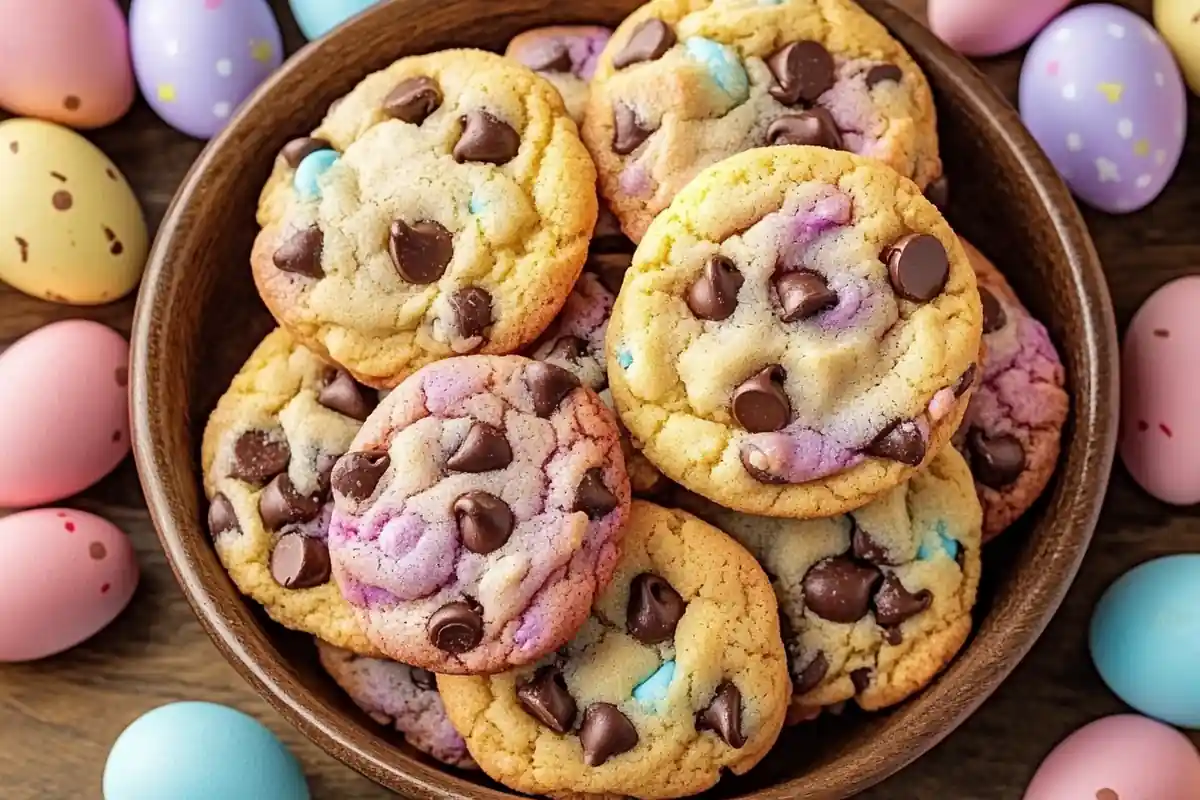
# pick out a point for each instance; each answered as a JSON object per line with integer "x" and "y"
{"x": 478, "y": 514}
{"x": 684, "y": 85}
{"x": 798, "y": 333}
{"x": 401, "y": 697}
{"x": 1013, "y": 429}
{"x": 564, "y": 55}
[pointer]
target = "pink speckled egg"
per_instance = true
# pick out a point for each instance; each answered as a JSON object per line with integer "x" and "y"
{"x": 64, "y": 576}
{"x": 990, "y": 27}
{"x": 66, "y": 61}
{"x": 1124, "y": 757}
{"x": 64, "y": 422}
{"x": 1160, "y": 429}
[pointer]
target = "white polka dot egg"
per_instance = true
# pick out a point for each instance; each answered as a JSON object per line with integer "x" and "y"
{"x": 197, "y": 60}
{"x": 1103, "y": 96}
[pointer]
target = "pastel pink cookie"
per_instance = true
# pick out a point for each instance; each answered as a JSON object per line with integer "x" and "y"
{"x": 479, "y": 513}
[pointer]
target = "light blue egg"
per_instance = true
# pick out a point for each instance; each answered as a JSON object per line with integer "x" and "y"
{"x": 318, "y": 17}
{"x": 723, "y": 64}
{"x": 1145, "y": 639}
{"x": 201, "y": 751}
{"x": 945, "y": 544}
{"x": 313, "y": 166}
{"x": 654, "y": 689}
{"x": 624, "y": 358}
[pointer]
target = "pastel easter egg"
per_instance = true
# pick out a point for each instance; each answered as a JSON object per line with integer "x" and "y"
{"x": 1179, "y": 23}
{"x": 64, "y": 422}
{"x": 71, "y": 229}
{"x": 1102, "y": 94}
{"x": 65, "y": 61}
{"x": 1160, "y": 432}
{"x": 196, "y": 61}
{"x": 64, "y": 576}
{"x": 990, "y": 27}
{"x": 201, "y": 751}
{"x": 1145, "y": 639}
{"x": 319, "y": 17}
{"x": 1123, "y": 757}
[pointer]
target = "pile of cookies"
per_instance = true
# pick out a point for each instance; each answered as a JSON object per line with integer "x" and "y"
{"x": 598, "y": 514}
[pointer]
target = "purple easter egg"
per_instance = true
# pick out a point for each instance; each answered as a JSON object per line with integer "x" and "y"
{"x": 1103, "y": 96}
{"x": 197, "y": 60}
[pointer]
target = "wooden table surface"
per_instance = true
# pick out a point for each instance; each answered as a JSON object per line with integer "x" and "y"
{"x": 59, "y": 717}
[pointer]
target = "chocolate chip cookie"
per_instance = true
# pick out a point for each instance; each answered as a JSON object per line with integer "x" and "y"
{"x": 564, "y": 55}
{"x": 478, "y": 513}
{"x": 1013, "y": 429}
{"x": 876, "y": 602}
{"x": 267, "y": 454}
{"x": 679, "y": 674}
{"x": 443, "y": 207}
{"x": 401, "y": 697}
{"x": 798, "y": 333}
{"x": 684, "y": 85}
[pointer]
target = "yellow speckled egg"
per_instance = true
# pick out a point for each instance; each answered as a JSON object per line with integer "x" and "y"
{"x": 71, "y": 230}
{"x": 1179, "y": 23}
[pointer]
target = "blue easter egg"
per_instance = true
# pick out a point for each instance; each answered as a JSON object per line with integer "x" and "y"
{"x": 201, "y": 751}
{"x": 310, "y": 170}
{"x": 654, "y": 689}
{"x": 318, "y": 17}
{"x": 1145, "y": 639}
{"x": 723, "y": 63}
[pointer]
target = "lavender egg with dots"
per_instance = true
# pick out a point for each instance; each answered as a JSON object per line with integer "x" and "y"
{"x": 196, "y": 61}
{"x": 1103, "y": 96}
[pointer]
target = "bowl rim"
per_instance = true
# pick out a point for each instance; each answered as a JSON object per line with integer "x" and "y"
{"x": 940, "y": 708}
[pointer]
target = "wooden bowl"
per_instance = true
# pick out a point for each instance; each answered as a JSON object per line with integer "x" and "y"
{"x": 198, "y": 318}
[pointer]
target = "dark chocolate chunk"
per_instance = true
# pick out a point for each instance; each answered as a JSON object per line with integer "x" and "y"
{"x": 996, "y": 461}
{"x": 258, "y": 456}
{"x": 301, "y": 253}
{"x": 994, "y": 316}
{"x": 648, "y": 42}
{"x": 918, "y": 266}
{"x": 484, "y": 450}
{"x": 812, "y": 675}
{"x": 628, "y": 130}
{"x": 966, "y": 381}
{"x": 486, "y": 139}
{"x": 605, "y": 732}
{"x": 221, "y": 516}
{"x": 281, "y": 504}
{"x": 861, "y": 678}
{"x": 883, "y": 72}
{"x": 839, "y": 589}
{"x": 803, "y": 72}
{"x": 421, "y": 251}
{"x": 901, "y": 441}
{"x": 714, "y": 295}
{"x": 300, "y": 562}
{"x": 654, "y": 609}
{"x": 815, "y": 128}
{"x": 865, "y": 548}
{"x": 894, "y": 604}
{"x": 803, "y": 294}
{"x": 760, "y": 404}
{"x": 356, "y": 475}
{"x": 413, "y": 100}
{"x": 484, "y": 521}
{"x": 724, "y": 715}
{"x": 456, "y": 627}
{"x": 548, "y": 385}
{"x": 297, "y": 150}
{"x": 341, "y": 393}
{"x": 472, "y": 311}
{"x": 545, "y": 698}
{"x": 593, "y": 497}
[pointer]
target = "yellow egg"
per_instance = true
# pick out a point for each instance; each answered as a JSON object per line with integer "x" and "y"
{"x": 71, "y": 230}
{"x": 1179, "y": 23}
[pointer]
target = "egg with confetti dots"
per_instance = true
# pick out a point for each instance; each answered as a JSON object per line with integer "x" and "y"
{"x": 1103, "y": 96}
{"x": 196, "y": 61}
{"x": 64, "y": 576}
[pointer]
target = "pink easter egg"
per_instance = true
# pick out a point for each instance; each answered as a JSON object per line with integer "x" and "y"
{"x": 990, "y": 27}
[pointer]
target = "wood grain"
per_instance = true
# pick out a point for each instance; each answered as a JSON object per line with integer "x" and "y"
{"x": 59, "y": 717}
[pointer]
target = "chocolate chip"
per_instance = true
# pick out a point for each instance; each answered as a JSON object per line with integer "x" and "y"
{"x": 281, "y": 504}
{"x": 893, "y": 636}
{"x": 484, "y": 521}
{"x": 994, "y": 317}
{"x": 605, "y": 732}
{"x": 325, "y": 462}
{"x": 649, "y": 42}
{"x": 62, "y": 200}
{"x": 301, "y": 254}
{"x": 357, "y": 475}
{"x": 258, "y": 456}
{"x": 865, "y": 548}
{"x": 610, "y": 268}
{"x": 803, "y": 294}
{"x": 965, "y": 381}
{"x": 901, "y": 441}
{"x": 484, "y": 450}
{"x": 299, "y": 562}
{"x": 839, "y": 589}
{"x": 815, "y": 128}
{"x": 724, "y": 715}
{"x": 918, "y": 266}
{"x": 881, "y": 73}
{"x": 550, "y": 56}
{"x": 803, "y": 72}
{"x": 548, "y": 385}
{"x": 472, "y": 310}
{"x": 545, "y": 698}
{"x": 593, "y": 497}
{"x": 421, "y": 251}
{"x": 413, "y": 100}
{"x": 861, "y": 678}
{"x": 486, "y": 139}
{"x": 760, "y": 404}
{"x": 714, "y": 295}
{"x": 894, "y": 604}
{"x": 341, "y": 393}
{"x": 996, "y": 461}
{"x": 567, "y": 348}
{"x": 654, "y": 609}
{"x": 221, "y": 516}
{"x": 813, "y": 674}
{"x": 423, "y": 679}
{"x": 456, "y": 627}
{"x": 628, "y": 130}
{"x": 297, "y": 150}
{"x": 938, "y": 193}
